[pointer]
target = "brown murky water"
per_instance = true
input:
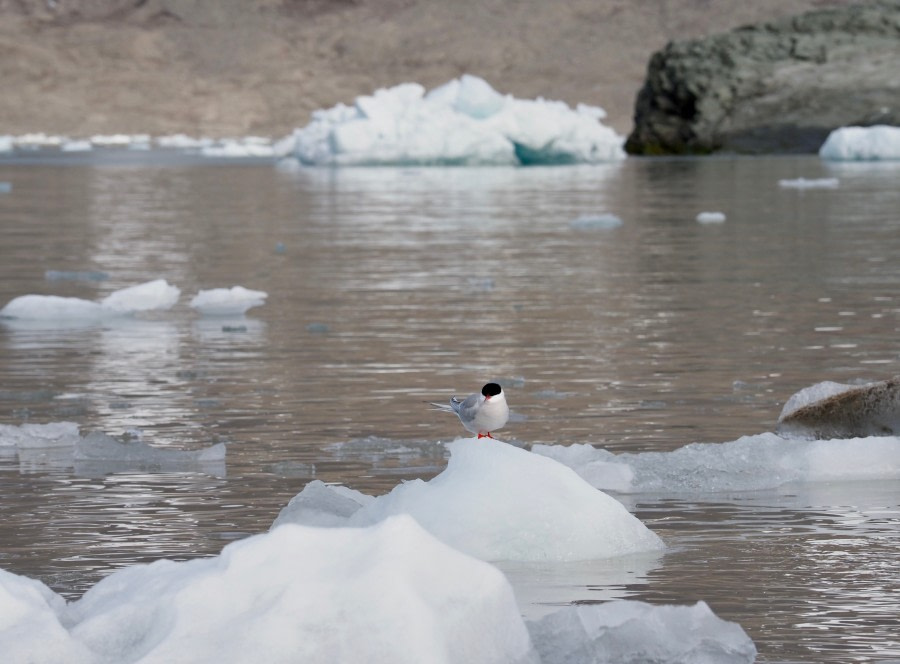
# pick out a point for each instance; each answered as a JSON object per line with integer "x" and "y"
{"x": 389, "y": 288}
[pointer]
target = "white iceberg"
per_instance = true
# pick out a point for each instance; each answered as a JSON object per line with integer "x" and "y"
{"x": 464, "y": 122}
{"x": 155, "y": 295}
{"x": 876, "y": 143}
{"x": 233, "y": 301}
{"x": 390, "y": 593}
{"x": 630, "y": 632}
{"x": 498, "y": 502}
{"x": 751, "y": 463}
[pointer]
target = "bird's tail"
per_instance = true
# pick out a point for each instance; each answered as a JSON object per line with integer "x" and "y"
{"x": 443, "y": 407}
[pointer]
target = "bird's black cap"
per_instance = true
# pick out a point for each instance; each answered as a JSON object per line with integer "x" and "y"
{"x": 491, "y": 390}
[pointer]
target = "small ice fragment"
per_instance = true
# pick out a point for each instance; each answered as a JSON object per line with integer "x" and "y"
{"x": 233, "y": 301}
{"x": 150, "y": 296}
{"x": 596, "y": 222}
{"x": 76, "y": 146}
{"x": 75, "y": 275}
{"x": 632, "y": 631}
{"x": 711, "y": 217}
{"x": 812, "y": 183}
{"x": 54, "y": 434}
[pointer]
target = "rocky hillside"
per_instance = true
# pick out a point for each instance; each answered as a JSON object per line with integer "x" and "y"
{"x": 778, "y": 86}
{"x": 237, "y": 67}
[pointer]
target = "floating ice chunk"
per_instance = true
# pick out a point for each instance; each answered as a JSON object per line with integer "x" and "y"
{"x": 51, "y": 308}
{"x": 155, "y": 295}
{"x": 390, "y": 594}
{"x": 76, "y": 146}
{"x": 811, "y": 183}
{"x": 464, "y": 122}
{"x": 835, "y": 410}
{"x": 877, "y": 143}
{"x": 150, "y": 296}
{"x": 624, "y": 632}
{"x": 236, "y": 148}
{"x": 227, "y": 301}
{"x": 751, "y": 463}
{"x": 97, "y": 446}
{"x": 497, "y": 502}
{"x": 183, "y": 142}
{"x": 596, "y": 222}
{"x": 39, "y": 139}
{"x": 54, "y": 434}
{"x": 711, "y": 217}
{"x": 7, "y": 144}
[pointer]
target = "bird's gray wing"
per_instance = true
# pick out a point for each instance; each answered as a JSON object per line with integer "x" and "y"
{"x": 465, "y": 409}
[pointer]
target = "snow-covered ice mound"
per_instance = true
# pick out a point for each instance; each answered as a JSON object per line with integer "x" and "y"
{"x": 464, "y": 122}
{"x": 390, "y": 593}
{"x": 495, "y": 502}
{"x": 234, "y": 301}
{"x": 155, "y": 295}
{"x": 877, "y": 143}
{"x": 751, "y": 463}
{"x": 629, "y": 632}
{"x": 836, "y": 410}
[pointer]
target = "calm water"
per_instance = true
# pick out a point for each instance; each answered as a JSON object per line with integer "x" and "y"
{"x": 389, "y": 288}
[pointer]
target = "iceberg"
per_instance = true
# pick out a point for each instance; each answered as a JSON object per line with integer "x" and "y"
{"x": 876, "y": 143}
{"x": 631, "y": 632}
{"x": 233, "y": 301}
{"x": 390, "y": 593}
{"x": 155, "y": 295}
{"x": 751, "y": 463}
{"x": 464, "y": 122}
{"x": 836, "y": 410}
{"x": 495, "y": 502}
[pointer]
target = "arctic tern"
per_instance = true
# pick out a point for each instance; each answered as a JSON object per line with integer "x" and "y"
{"x": 480, "y": 413}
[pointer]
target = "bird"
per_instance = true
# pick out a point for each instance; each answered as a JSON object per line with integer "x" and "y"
{"x": 481, "y": 412}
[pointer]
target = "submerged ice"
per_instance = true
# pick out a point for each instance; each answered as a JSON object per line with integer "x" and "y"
{"x": 464, "y": 122}
{"x": 495, "y": 502}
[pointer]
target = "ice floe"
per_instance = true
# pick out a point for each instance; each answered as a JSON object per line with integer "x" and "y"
{"x": 495, "y": 502}
{"x": 877, "y": 143}
{"x": 837, "y": 410}
{"x": 155, "y": 295}
{"x": 390, "y": 593}
{"x": 152, "y": 295}
{"x": 28, "y": 435}
{"x": 750, "y": 463}
{"x": 463, "y": 122}
{"x": 624, "y": 631}
{"x": 810, "y": 183}
{"x": 233, "y": 301}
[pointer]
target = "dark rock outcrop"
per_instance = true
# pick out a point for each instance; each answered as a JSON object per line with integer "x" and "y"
{"x": 773, "y": 87}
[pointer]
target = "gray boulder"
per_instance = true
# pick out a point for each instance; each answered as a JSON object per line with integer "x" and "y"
{"x": 773, "y": 87}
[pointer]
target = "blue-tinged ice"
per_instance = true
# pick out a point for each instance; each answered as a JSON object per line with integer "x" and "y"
{"x": 876, "y": 143}
{"x": 464, "y": 122}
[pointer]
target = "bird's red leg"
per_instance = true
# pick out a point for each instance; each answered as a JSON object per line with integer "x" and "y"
{"x": 485, "y": 435}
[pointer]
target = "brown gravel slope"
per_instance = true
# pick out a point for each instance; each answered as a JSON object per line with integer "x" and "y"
{"x": 237, "y": 67}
